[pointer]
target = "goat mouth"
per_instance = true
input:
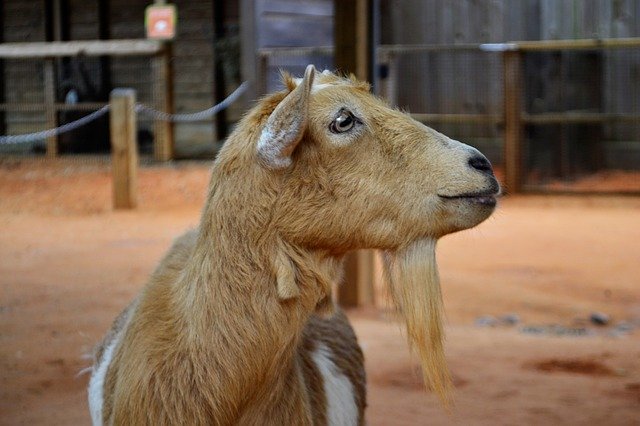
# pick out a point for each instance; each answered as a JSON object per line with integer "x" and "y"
{"x": 485, "y": 198}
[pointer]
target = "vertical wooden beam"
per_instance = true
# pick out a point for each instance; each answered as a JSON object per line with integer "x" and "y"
{"x": 352, "y": 36}
{"x": 359, "y": 277}
{"x": 124, "y": 153}
{"x": 219, "y": 18}
{"x": 248, "y": 47}
{"x": 263, "y": 74}
{"x": 363, "y": 30}
{"x": 51, "y": 113}
{"x": 3, "y": 116}
{"x": 163, "y": 95}
{"x": 512, "y": 78}
{"x": 389, "y": 87}
{"x": 104, "y": 33}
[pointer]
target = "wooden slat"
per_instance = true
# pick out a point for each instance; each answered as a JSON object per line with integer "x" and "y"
{"x": 359, "y": 277}
{"x": 542, "y": 45}
{"x": 459, "y": 118}
{"x": 512, "y": 68}
{"x": 579, "y": 118}
{"x": 163, "y": 96}
{"x": 417, "y": 48}
{"x": 610, "y": 43}
{"x": 124, "y": 154}
{"x": 33, "y": 106}
{"x": 74, "y": 48}
{"x": 352, "y": 41}
{"x": 50, "y": 111}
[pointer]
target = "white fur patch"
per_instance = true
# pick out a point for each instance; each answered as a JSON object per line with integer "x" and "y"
{"x": 341, "y": 402}
{"x": 96, "y": 384}
{"x": 270, "y": 146}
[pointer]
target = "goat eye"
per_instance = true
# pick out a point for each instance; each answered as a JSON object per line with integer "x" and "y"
{"x": 343, "y": 122}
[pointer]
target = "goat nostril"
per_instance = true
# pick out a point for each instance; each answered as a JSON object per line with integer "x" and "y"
{"x": 481, "y": 164}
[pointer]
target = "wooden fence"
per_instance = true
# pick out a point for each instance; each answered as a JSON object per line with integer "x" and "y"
{"x": 49, "y": 52}
{"x": 510, "y": 114}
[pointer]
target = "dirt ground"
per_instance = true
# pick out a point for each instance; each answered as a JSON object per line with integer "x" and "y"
{"x": 69, "y": 264}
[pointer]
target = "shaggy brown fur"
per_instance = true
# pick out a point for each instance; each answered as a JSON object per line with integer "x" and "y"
{"x": 223, "y": 332}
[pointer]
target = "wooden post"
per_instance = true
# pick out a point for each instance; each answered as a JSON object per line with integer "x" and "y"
{"x": 248, "y": 47}
{"x": 388, "y": 86}
{"x": 219, "y": 93}
{"x": 359, "y": 277}
{"x": 163, "y": 94}
{"x": 263, "y": 75}
{"x": 3, "y": 116}
{"x": 352, "y": 55}
{"x": 391, "y": 88}
{"x": 124, "y": 153}
{"x": 512, "y": 69}
{"x": 352, "y": 37}
{"x": 50, "y": 105}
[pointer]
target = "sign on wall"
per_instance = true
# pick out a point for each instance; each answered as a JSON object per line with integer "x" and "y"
{"x": 160, "y": 21}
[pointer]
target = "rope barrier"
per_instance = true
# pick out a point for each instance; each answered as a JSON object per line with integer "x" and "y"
{"x": 37, "y": 136}
{"x": 140, "y": 108}
{"x": 194, "y": 116}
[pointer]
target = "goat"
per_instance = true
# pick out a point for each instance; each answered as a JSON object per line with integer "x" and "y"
{"x": 237, "y": 324}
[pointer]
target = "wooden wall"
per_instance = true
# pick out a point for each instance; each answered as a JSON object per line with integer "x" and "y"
{"x": 193, "y": 60}
{"x": 285, "y": 23}
{"x": 23, "y": 80}
{"x": 471, "y": 82}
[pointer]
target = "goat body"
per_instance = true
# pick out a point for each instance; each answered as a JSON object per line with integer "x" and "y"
{"x": 237, "y": 324}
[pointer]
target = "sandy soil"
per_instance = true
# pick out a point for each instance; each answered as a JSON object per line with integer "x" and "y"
{"x": 68, "y": 264}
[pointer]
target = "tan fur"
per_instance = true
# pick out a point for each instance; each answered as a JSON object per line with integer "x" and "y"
{"x": 223, "y": 331}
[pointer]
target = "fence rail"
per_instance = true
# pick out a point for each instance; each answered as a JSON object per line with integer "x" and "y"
{"x": 50, "y": 53}
{"x": 508, "y": 92}
{"x": 53, "y": 49}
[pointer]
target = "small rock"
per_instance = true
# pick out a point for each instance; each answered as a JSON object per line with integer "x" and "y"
{"x": 570, "y": 331}
{"x": 486, "y": 321}
{"x": 617, "y": 334}
{"x": 556, "y": 330}
{"x": 532, "y": 329}
{"x": 510, "y": 319}
{"x": 624, "y": 327}
{"x": 599, "y": 318}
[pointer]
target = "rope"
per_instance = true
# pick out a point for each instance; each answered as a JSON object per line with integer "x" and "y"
{"x": 194, "y": 116}
{"x": 33, "y": 137}
{"x": 140, "y": 108}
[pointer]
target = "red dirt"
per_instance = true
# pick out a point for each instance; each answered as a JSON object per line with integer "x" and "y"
{"x": 69, "y": 264}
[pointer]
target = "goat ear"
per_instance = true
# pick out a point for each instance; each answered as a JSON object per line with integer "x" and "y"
{"x": 286, "y": 125}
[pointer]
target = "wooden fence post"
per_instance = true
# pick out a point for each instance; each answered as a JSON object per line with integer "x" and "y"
{"x": 512, "y": 69}
{"x": 50, "y": 105}
{"x": 352, "y": 41}
{"x": 163, "y": 149}
{"x": 124, "y": 153}
{"x": 359, "y": 279}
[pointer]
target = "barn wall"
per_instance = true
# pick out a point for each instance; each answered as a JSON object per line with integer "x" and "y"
{"x": 471, "y": 82}
{"x": 286, "y": 23}
{"x": 23, "y": 80}
{"x": 193, "y": 61}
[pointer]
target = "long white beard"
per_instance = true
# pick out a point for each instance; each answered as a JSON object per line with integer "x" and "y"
{"x": 412, "y": 274}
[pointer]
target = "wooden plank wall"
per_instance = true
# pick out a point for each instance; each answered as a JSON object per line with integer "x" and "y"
{"x": 192, "y": 61}
{"x": 23, "y": 80}
{"x": 282, "y": 23}
{"x": 471, "y": 83}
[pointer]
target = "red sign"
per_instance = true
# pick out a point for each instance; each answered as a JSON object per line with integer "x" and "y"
{"x": 160, "y": 21}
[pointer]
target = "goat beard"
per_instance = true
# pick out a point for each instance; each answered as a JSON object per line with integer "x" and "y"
{"x": 412, "y": 274}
